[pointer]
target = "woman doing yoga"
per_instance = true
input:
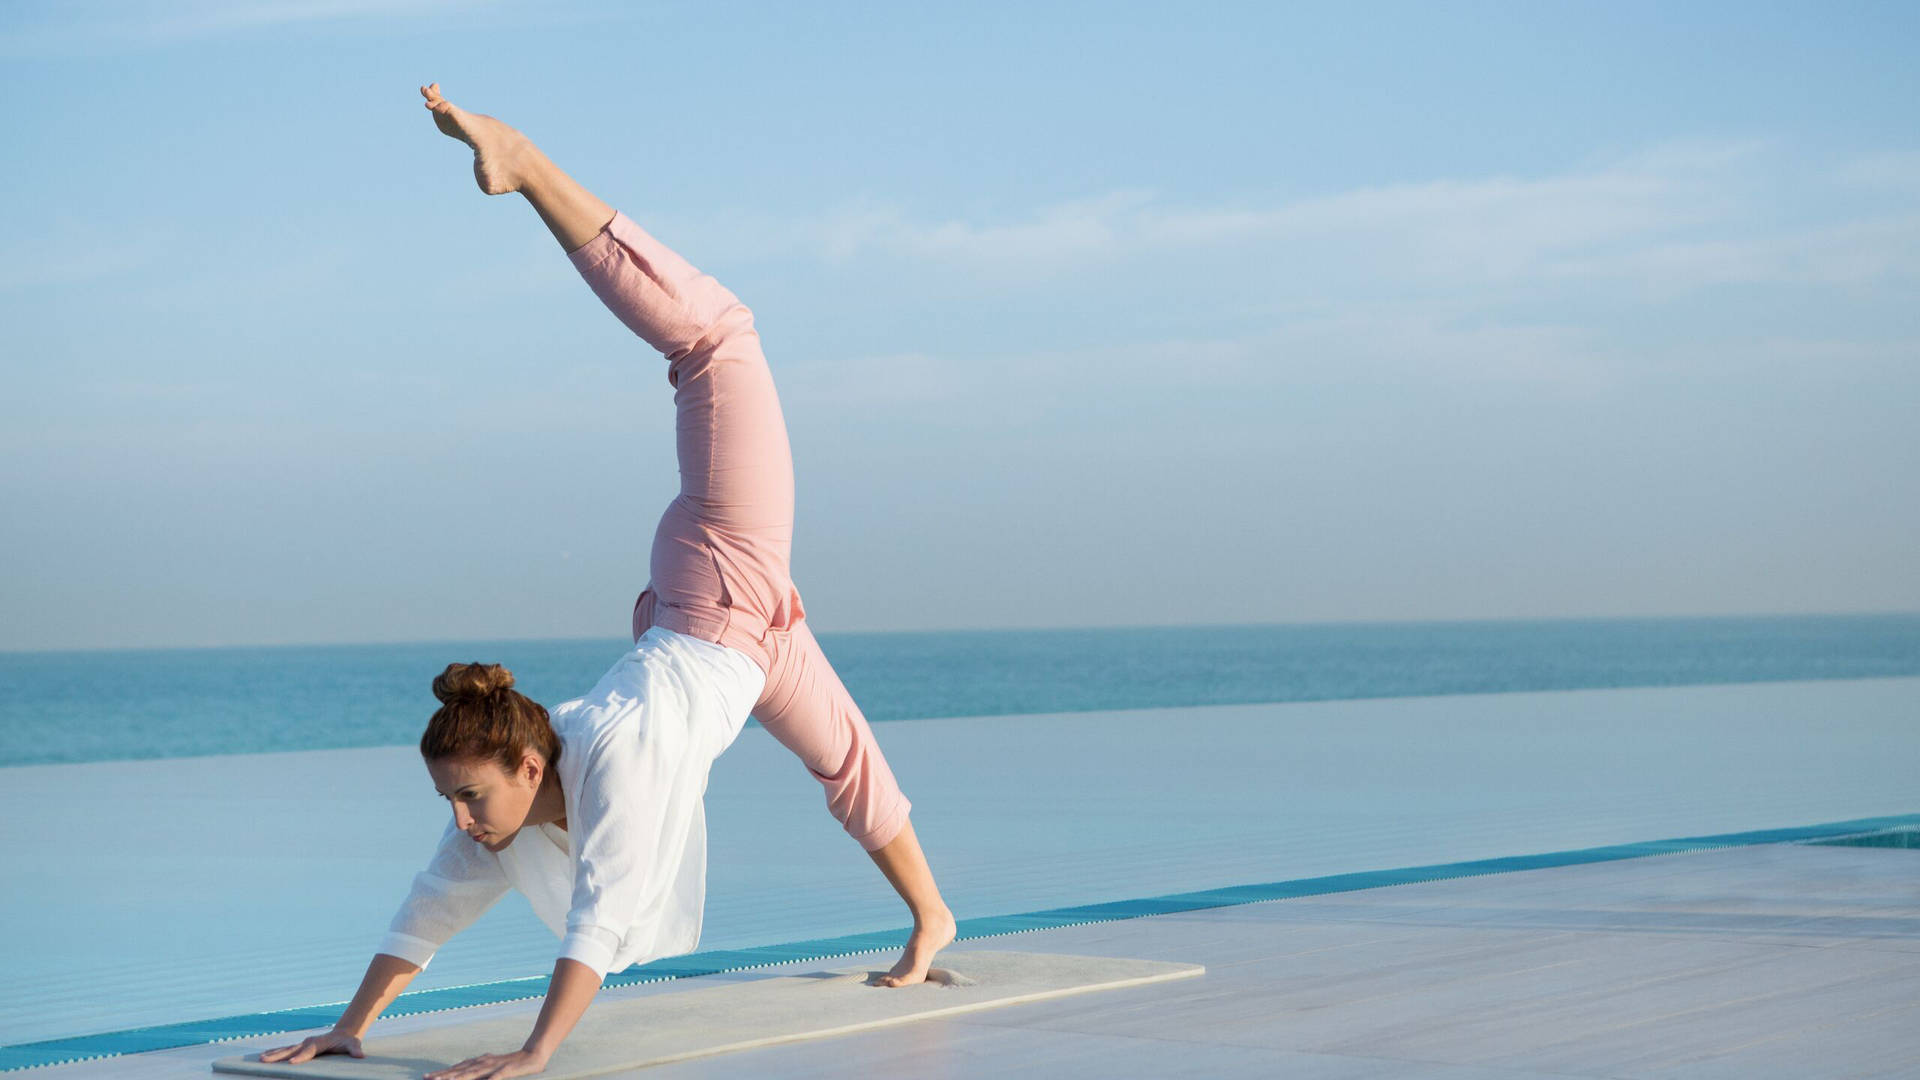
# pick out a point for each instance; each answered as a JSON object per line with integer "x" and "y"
{"x": 594, "y": 811}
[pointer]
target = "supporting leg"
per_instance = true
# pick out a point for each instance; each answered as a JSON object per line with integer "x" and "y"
{"x": 933, "y": 927}
{"x": 807, "y": 709}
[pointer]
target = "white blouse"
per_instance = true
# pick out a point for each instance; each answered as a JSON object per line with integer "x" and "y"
{"x": 626, "y": 881}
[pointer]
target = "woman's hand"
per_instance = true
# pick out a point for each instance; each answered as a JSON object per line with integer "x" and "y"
{"x": 333, "y": 1042}
{"x": 572, "y": 986}
{"x": 493, "y": 1067}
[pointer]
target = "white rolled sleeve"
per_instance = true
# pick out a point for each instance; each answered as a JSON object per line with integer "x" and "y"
{"x": 461, "y": 881}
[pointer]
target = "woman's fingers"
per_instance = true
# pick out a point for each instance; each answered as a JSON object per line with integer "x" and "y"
{"x": 290, "y": 1053}
{"x": 456, "y": 1071}
{"x": 311, "y": 1047}
{"x": 484, "y": 1067}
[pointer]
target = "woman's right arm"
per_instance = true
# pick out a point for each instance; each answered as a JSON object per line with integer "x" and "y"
{"x": 461, "y": 882}
{"x": 386, "y": 977}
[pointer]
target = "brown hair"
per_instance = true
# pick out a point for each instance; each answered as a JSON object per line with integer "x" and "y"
{"x": 482, "y": 716}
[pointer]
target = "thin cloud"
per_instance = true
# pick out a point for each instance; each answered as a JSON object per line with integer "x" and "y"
{"x": 1357, "y": 354}
{"x": 1701, "y": 213}
{"x": 1855, "y": 253}
{"x": 1076, "y": 229}
{"x": 130, "y": 25}
{"x": 67, "y": 248}
{"x": 1894, "y": 171}
{"x": 1499, "y": 288}
{"x": 71, "y": 266}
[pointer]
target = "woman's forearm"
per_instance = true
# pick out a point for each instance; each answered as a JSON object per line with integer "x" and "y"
{"x": 568, "y": 993}
{"x": 386, "y": 977}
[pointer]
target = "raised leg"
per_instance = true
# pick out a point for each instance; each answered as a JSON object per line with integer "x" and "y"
{"x": 719, "y": 560}
{"x": 573, "y": 214}
{"x": 504, "y": 161}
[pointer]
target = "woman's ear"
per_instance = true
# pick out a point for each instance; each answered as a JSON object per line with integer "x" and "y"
{"x": 532, "y": 767}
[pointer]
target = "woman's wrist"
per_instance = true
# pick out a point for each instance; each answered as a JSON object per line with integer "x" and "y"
{"x": 354, "y": 1022}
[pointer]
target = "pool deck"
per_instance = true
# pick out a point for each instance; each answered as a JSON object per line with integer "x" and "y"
{"x": 1772, "y": 960}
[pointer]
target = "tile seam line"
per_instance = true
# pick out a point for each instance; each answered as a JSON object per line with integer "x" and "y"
{"x": 69, "y": 1050}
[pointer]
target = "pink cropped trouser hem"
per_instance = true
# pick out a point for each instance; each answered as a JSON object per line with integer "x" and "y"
{"x": 722, "y": 552}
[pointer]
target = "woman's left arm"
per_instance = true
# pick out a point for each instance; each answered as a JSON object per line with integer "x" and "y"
{"x": 568, "y": 993}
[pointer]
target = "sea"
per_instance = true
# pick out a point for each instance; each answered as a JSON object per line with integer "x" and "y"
{"x": 104, "y": 705}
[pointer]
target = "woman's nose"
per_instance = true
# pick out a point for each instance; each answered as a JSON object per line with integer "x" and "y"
{"x": 462, "y": 819}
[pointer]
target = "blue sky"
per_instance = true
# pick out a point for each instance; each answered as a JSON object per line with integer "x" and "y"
{"x": 1082, "y": 314}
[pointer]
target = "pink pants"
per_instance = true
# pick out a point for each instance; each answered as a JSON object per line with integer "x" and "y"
{"x": 721, "y": 554}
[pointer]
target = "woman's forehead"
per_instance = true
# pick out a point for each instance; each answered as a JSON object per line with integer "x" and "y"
{"x": 457, "y": 771}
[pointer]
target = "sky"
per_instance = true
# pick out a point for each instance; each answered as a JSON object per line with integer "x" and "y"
{"x": 1081, "y": 314}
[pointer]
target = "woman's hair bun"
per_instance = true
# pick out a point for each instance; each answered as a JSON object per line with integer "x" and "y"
{"x": 468, "y": 681}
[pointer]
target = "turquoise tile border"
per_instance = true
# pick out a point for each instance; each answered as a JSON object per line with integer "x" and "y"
{"x": 252, "y": 1025}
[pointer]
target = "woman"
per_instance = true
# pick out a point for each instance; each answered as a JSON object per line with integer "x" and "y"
{"x": 594, "y": 810}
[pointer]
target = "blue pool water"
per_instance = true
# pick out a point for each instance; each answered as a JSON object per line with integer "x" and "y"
{"x": 128, "y": 704}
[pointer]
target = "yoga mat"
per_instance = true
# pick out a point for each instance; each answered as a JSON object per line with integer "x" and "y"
{"x": 653, "y": 1030}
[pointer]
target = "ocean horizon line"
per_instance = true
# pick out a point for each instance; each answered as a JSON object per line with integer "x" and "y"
{"x": 1067, "y": 629}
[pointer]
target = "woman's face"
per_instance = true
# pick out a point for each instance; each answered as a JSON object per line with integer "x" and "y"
{"x": 488, "y": 804}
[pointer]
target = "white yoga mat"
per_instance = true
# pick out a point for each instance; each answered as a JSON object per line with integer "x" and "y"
{"x": 653, "y": 1030}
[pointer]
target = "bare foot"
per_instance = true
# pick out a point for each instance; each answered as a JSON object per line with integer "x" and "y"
{"x": 502, "y": 157}
{"x": 929, "y": 936}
